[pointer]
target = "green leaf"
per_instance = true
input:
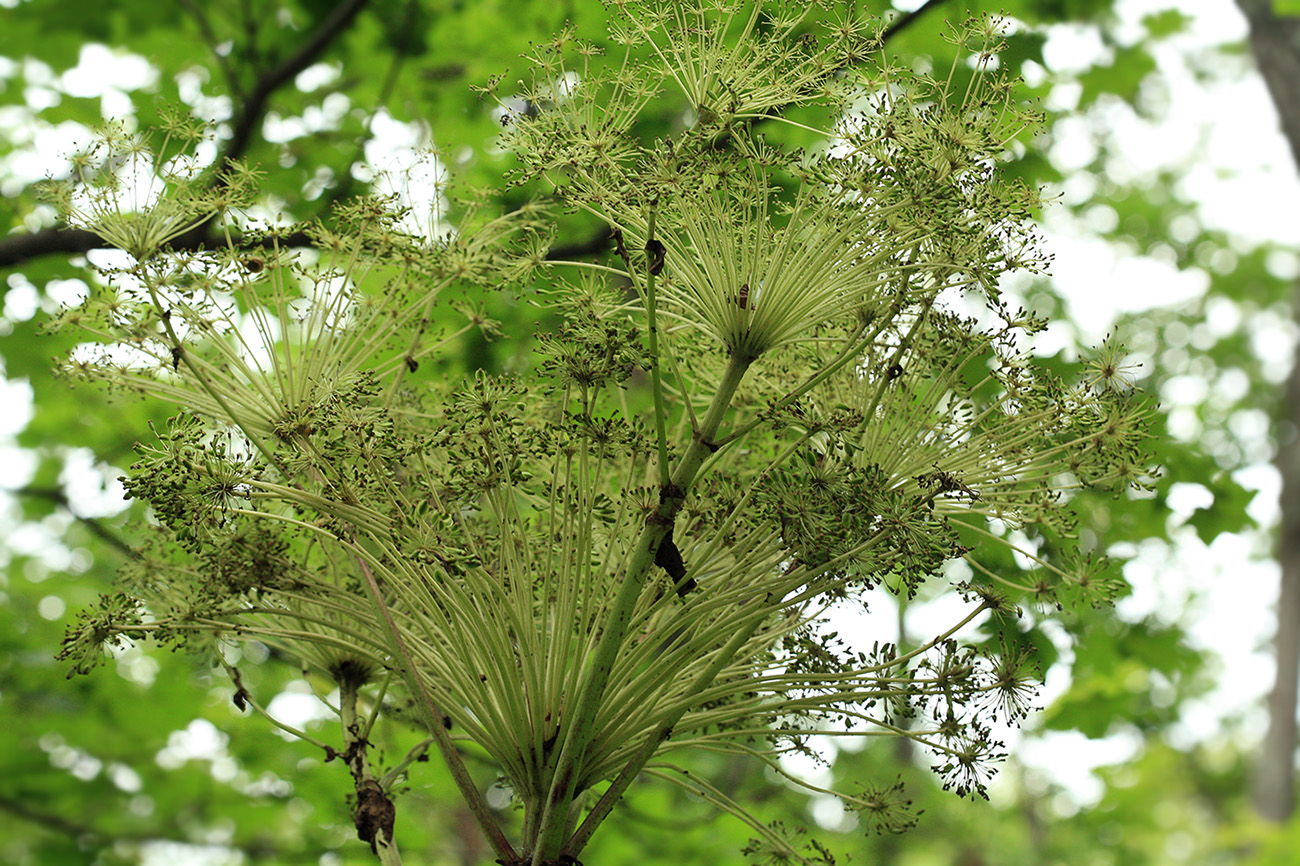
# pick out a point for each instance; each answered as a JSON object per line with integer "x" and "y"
{"x": 1120, "y": 78}
{"x": 1166, "y": 22}
{"x": 1227, "y": 513}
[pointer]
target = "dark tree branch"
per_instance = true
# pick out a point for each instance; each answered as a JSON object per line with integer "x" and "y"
{"x": 902, "y": 23}
{"x": 49, "y": 821}
{"x": 19, "y": 248}
{"x": 97, "y": 529}
{"x": 210, "y": 37}
{"x": 591, "y": 246}
{"x": 254, "y": 107}
{"x": 16, "y": 249}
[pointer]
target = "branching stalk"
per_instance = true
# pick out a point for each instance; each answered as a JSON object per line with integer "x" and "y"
{"x": 564, "y": 784}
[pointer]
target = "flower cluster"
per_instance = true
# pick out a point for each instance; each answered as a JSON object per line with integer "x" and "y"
{"x": 760, "y": 404}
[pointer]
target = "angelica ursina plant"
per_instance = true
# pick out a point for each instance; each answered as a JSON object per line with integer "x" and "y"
{"x": 793, "y": 384}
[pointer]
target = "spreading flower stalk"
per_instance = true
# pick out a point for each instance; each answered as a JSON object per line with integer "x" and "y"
{"x": 793, "y": 386}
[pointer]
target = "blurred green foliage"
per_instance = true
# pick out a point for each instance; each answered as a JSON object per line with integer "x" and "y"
{"x": 94, "y": 771}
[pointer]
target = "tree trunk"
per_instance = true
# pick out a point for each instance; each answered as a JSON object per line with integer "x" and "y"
{"x": 1275, "y": 42}
{"x": 1274, "y": 794}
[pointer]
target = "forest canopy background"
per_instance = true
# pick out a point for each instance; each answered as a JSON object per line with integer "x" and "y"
{"x": 307, "y": 123}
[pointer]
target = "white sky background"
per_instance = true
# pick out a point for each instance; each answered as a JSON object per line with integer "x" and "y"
{"x": 1243, "y": 178}
{"x": 1246, "y": 183}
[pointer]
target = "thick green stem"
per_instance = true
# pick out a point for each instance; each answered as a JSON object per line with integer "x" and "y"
{"x": 656, "y": 378}
{"x": 555, "y": 811}
{"x": 661, "y": 732}
{"x": 852, "y": 352}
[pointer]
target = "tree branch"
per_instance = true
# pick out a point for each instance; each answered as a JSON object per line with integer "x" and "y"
{"x": 902, "y": 23}
{"x": 593, "y": 245}
{"x": 57, "y": 496}
{"x": 254, "y": 107}
{"x": 19, "y": 248}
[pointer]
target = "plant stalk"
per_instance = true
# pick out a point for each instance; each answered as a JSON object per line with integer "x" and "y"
{"x": 662, "y": 731}
{"x": 555, "y": 811}
{"x": 474, "y": 799}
